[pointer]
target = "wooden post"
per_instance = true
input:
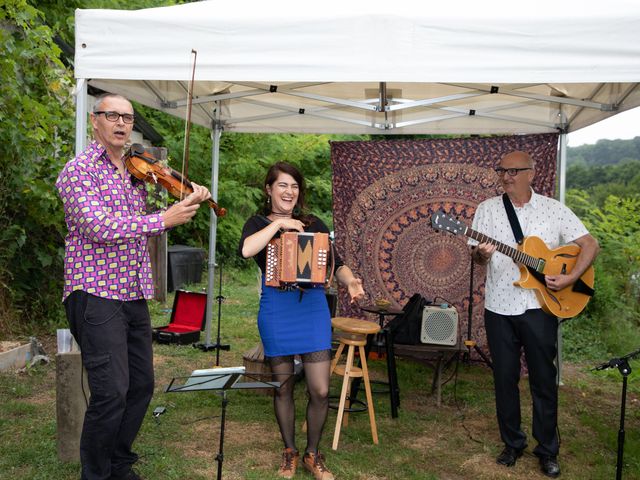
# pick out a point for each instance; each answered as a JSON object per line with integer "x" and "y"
{"x": 158, "y": 245}
{"x": 158, "y": 253}
{"x": 71, "y": 404}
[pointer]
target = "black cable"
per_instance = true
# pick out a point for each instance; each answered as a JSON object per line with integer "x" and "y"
{"x": 459, "y": 408}
{"x": 442, "y": 298}
{"x": 201, "y": 419}
{"x": 455, "y": 372}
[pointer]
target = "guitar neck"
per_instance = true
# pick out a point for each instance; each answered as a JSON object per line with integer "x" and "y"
{"x": 518, "y": 255}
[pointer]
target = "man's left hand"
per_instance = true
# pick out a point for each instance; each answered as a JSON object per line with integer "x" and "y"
{"x": 557, "y": 282}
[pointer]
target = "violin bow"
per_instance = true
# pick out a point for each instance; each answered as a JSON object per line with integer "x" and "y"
{"x": 187, "y": 127}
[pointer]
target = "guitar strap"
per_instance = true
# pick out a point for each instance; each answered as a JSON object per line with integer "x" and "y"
{"x": 513, "y": 219}
{"x": 579, "y": 287}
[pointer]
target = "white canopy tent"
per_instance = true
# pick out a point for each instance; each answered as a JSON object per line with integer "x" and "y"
{"x": 357, "y": 66}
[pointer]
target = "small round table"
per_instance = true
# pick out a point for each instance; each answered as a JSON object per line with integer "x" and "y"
{"x": 383, "y": 339}
{"x": 381, "y": 312}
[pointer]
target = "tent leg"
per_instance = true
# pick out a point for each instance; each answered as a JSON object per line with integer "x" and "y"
{"x": 81, "y": 115}
{"x": 207, "y": 345}
{"x": 562, "y": 168}
{"x": 562, "y": 177}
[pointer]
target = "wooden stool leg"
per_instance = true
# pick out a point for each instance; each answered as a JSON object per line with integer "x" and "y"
{"x": 343, "y": 396}
{"x": 336, "y": 358}
{"x": 347, "y": 405}
{"x": 367, "y": 387}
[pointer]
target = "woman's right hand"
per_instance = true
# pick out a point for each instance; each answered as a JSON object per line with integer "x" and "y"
{"x": 290, "y": 224}
{"x": 256, "y": 242}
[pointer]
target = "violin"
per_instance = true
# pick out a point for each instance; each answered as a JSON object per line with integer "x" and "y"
{"x": 142, "y": 165}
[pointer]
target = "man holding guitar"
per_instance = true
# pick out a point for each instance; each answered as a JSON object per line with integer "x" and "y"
{"x": 514, "y": 316}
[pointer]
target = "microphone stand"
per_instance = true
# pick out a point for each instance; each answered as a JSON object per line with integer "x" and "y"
{"x": 217, "y": 346}
{"x": 469, "y": 343}
{"x": 622, "y": 364}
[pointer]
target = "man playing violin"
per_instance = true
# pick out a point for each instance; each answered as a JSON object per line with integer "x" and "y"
{"x": 513, "y": 317}
{"x": 107, "y": 281}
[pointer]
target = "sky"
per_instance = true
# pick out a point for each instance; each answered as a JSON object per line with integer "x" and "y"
{"x": 624, "y": 126}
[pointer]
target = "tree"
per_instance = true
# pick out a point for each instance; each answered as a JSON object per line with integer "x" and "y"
{"x": 610, "y": 323}
{"x": 37, "y": 105}
{"x": 604, "y": 152}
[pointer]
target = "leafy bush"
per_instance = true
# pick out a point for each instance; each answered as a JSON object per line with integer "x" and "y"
{"x": 37, "y": 108}
{"x": 610, "y": 323}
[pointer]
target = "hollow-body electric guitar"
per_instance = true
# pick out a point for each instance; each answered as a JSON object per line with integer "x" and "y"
{"x": 535, "y": 260}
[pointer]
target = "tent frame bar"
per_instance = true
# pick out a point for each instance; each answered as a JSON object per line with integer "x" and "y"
{"x": 365, "y": 105}
{"x": 493, "y": 90}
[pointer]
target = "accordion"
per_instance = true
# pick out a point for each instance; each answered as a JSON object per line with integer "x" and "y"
{"x": 297, "y": 257}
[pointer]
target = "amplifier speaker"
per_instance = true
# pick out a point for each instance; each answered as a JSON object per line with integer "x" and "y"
{"x": 439, "y": 325}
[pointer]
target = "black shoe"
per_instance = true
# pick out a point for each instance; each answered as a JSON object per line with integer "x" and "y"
{"x": 508, "y": 456}
{"x": 549, "y": 466}
{"x": 130, "y": 475}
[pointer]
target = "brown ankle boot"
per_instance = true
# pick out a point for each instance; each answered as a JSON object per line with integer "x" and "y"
{"x": 314, "y": 462}
{"x": 289, "y": 463}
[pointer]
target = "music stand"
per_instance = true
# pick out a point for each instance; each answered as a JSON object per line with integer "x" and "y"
{"x": 220, "y": 380}
{"x": 622, "y": 364}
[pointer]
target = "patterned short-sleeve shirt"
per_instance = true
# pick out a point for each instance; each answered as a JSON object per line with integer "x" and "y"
{"x": 542, "y": 217}
{"x": 106, "y": 244}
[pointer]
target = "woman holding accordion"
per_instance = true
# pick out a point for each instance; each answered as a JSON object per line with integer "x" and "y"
{"x": 294, "y": 320}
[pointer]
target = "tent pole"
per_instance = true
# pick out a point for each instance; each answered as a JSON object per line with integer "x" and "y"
{"x": 215, "y": 137}
{"x": 81, "y": 115}
{"x": 562, "y": 176}
{"x": 562, "y": 170}
{"x": 216, "y": 133}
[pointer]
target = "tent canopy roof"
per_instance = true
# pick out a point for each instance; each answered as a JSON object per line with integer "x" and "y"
{"x": 371, "y": 67}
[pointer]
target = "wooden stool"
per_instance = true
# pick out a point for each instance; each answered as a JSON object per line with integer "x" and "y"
{"x": 352, "y": 332}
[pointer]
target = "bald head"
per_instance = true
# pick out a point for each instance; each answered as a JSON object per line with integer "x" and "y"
{"x": 100, "y": 100}
{"x": 519, "y": 157}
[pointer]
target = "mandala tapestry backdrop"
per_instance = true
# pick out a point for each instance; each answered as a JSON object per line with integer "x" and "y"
{"x": 384, "y": 193}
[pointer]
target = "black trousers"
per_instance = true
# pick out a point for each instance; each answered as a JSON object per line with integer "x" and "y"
{"x": 536, "y": 332}
{"x": 115, "y": 339}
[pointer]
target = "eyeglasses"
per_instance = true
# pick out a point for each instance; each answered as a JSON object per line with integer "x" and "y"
{"x": 511, "y": 171}
{"x": 114, "y": 116}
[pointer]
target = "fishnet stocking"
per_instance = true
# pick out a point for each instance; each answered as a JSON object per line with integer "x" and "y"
{"x": 316, "y": 368}
{"x": 283, "y": 404}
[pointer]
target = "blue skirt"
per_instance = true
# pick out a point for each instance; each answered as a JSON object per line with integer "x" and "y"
{"x": 292, "y": 324}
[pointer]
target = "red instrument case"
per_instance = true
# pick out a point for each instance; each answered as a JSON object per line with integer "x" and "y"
{"x": 187, "y": 319}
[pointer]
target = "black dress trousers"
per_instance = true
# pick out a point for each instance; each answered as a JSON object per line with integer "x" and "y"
{"x": 537, "y": 333}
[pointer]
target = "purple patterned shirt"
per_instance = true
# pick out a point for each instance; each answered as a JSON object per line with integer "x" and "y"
{"x": 106, "y": 245}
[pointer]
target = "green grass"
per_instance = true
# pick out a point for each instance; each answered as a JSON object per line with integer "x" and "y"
{"x": 458, "y": 440}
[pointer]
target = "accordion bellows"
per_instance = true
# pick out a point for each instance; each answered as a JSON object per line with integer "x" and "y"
{"x": 297, "y": 257}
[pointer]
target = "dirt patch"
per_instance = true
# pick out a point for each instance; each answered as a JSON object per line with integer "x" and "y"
{"x": 249, "y": 440}
{"x": 158, "y": 360}
{"x": 484, "y": 467}
{"x": 41, "y": 400}
{"x": 5, "y": 346}
{"x": 423, "y": 443}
